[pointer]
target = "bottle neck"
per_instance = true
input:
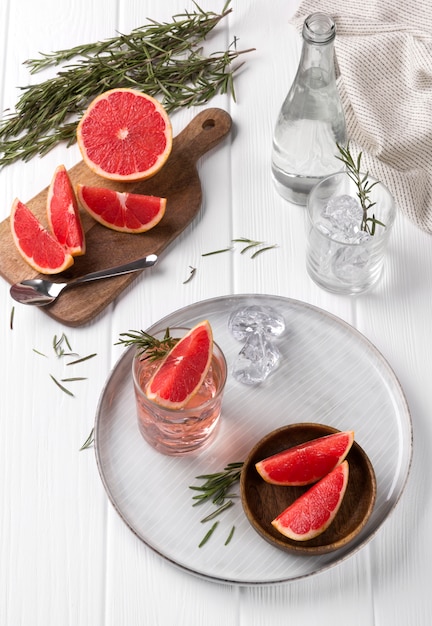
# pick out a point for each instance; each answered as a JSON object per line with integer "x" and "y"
{"x": 319, "y": 32}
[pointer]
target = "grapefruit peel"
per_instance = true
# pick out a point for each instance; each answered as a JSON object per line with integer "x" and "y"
{"x": 313, "y": 512}
{"x": 121, "y": 211}
{"x": 307, "y": 462}
{"x": 37, "y": 246}
{"x": 63, "y": 213}
{"x": 125, "y": 135}
{"x": 183, "y": 370}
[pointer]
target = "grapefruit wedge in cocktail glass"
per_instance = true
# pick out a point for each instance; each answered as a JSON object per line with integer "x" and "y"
{"x": 179, "y": 395}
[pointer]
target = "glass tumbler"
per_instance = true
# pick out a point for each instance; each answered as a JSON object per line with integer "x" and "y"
{"x": 185, "y": 430}
{"x": 341, "y": 257}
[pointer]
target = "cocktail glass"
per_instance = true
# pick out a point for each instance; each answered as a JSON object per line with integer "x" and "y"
{"x": 180, "y": 431}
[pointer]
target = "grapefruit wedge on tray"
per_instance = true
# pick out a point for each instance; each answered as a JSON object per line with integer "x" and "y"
{"x": 313, "y": 512}
{"x": 307, "y": 462}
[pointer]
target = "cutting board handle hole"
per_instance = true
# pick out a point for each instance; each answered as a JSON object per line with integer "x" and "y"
{"x": 208, "y": 124}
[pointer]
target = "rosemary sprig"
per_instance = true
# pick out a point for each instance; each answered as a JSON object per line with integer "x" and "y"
{"x": 216, "y": 486}
{"x": 250, "y": 244}
{"x": 148, "y": 346}
{"x": 364, "y": 187}
{"x": 163, "y": 59}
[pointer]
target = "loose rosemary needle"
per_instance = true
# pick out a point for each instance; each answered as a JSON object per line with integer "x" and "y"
{"x": 164, "y": 60}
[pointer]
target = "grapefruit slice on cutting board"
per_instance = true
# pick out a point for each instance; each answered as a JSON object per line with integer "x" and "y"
{"x": 178, "y": 181}
{"x": 35, "y": 243}
{"x": 122, "y": 211}
{"x": 125, "y": 135}
{"x": 63, "y": 213}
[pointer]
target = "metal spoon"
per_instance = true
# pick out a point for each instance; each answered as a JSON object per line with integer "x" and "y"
{"x": 40, "y": 292}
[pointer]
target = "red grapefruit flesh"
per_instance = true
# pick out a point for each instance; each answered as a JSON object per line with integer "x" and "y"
{"x": 125, "y": 212}
{"x": 63, "y": 213}
{"x": 308, "y": 462}
{"x": 125, "y": 135}
{"x": 35, "y": 244}
{"x": 182, "y": 372}
{"x": 313, "y": 512}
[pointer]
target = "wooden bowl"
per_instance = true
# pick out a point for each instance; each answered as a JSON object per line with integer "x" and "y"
{"x": 262, "y": 502}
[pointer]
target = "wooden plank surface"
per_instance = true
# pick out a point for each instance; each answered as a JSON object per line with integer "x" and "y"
{"x": 178, "y": 181}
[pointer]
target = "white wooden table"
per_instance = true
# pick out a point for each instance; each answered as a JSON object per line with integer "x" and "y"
{"x": 66, "y": 557}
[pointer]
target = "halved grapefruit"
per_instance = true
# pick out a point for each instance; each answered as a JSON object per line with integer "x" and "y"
{"x": 307, "y": 462}
{"x": 122, "y": 211}
{"x": 313, "y": 512}
{"x": 125, "y": 135}
{"x": 182, "y": 372}
{"x": 63, "y": 213}
{"x": 35, "y": 243}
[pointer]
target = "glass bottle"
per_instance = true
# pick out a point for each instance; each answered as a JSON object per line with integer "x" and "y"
{"x": 311, "y": 119}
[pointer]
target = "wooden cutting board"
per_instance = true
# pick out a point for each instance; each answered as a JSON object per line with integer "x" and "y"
{"x": 178, "y": 181}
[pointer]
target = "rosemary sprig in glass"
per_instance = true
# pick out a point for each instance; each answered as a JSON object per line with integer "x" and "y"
{"x": 364, "y": 187}
{"x": 148, "y": 347}
{"x": 164, "y": 60}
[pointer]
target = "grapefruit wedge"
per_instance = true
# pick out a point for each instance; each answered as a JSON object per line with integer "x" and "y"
{"x": 313, "y": 512}
{"x": 63, "y": 213}
{"x": 182, "y": 372}
{"x": 125, "y": 135}
{"x": 36, "y": 244}
{"x": 307, "y": 462}
{"x": 122, "y": 211}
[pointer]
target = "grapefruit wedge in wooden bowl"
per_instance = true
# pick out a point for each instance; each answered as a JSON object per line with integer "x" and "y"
{"x": 321, "y": 495}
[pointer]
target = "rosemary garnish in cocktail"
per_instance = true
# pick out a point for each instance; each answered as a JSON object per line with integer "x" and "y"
{"x": 164, "y": 60}
{"x": 148, "y": 347}
{"x": 364, "y": 187}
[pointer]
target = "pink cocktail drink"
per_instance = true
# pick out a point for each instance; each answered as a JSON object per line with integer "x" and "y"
{"x": 179, "y": 431}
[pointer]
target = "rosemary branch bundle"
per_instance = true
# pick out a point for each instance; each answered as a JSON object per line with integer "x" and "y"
{"x": 164, "y": 60}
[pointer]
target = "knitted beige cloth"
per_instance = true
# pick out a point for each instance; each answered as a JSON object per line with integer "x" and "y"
{"x": 384, "y": 56}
